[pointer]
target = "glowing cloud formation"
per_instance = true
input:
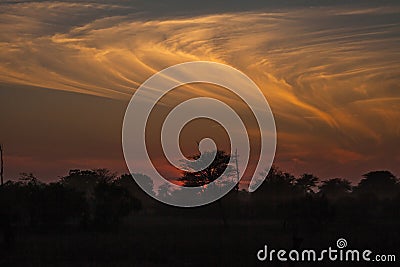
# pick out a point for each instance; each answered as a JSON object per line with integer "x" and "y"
{"x": 331, "y": 74}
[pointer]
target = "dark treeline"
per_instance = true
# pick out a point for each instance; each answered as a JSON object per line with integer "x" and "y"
{"x": 286, "y": 208}
{"x": 83, "y": 198}
{"x": 101, "y": 199}
{"x": 306, "y": 198}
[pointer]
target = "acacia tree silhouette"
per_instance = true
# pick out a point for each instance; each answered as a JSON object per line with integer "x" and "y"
{"x": 216, "y": 169}
{"x": 219, "y": 167}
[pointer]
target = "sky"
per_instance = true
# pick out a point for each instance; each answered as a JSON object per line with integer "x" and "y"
{"x": 330, "y": 71}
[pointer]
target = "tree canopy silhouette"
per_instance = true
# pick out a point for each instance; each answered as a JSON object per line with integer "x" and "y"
{"x": 335, "y": 188}
{"x": 382, "y": 184}
{"x": 277, "y": 185}
{"x": 218, "y": 166}
{"x": 307, "y": 182}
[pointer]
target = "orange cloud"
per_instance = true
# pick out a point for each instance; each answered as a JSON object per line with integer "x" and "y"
{"x": 331, "y": 76}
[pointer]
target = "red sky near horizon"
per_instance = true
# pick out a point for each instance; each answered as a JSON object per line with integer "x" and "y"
{"x": 330, "y": 74}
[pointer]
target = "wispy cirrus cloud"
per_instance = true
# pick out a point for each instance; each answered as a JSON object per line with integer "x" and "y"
{"x": 331, "y": 74}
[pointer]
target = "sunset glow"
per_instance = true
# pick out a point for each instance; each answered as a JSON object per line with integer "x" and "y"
{"x": 330, "y": 74}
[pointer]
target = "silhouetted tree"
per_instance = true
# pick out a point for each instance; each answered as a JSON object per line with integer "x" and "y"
{"x": 306, "y": 183}
{"x": 382, "y": 184}
{"x": 32, "y": 188}
{"x": 28, "y": 179}
{"x": 108, "y": 201}
{"x": 219, "y": 168}
{"x": 277, "y": 185}
{"x": 86, "y": 180}
{"x": 335, "y": 188}
{"x": 209, "y": 174}
{"x": 127, "y": 181}
{"x": 112, "y": 203}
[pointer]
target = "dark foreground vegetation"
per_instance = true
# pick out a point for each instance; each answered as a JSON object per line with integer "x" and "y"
{"x": 95, "y": 218}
